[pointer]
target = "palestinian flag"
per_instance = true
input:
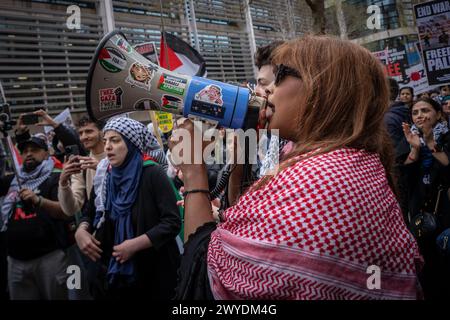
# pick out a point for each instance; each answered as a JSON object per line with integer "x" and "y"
{"x": 58, "y": 164}
{"x": 112, "y": 60}
{"x": 15, "y": 154}
{"x": 176, "y": 55}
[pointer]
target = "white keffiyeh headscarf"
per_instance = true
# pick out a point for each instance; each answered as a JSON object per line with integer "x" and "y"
{"x": 29, "y": 180}
{"x": 438, "y": 130}
{"x": 142, "y": 138}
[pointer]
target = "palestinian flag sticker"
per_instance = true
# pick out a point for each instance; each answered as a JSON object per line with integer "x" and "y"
{"x": 112, "y": 60}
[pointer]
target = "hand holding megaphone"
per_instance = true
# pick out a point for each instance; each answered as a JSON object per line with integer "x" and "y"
{"x": 120, "y": 80}
{"x": 189, "y": 151}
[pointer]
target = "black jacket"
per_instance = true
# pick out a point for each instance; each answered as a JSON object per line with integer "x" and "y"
{"x": 31, "y": 231}
{"x": 155, "y": 213}
{"x": 423, "y": 196}
{"x": 435, "y": 278}
{"x": 393, "y": 119}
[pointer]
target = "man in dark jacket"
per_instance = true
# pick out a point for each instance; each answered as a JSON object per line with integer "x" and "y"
{"x": 393, "y": 119}
{"x": 31, "y": 217}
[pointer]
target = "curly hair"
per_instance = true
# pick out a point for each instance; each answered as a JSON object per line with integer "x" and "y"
{"x": 85, "y": 120}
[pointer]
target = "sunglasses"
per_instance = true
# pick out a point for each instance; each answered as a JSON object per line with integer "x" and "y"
{"x": 282, "y": 71}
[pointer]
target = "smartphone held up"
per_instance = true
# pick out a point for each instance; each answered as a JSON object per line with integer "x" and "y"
{"x": 30, "y": 119}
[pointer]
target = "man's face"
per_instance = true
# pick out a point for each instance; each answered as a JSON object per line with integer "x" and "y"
{"x": 264, "y": 79}
{"x": 90, "y": 136}
{"x": 32, "y": 157}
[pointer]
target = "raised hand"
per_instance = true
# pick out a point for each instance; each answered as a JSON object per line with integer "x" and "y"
{"x": 72, "y": 166}
{"x": 412, "y": 138}
{"x": 46, "y": 119}
{"x": 20, "y": 127}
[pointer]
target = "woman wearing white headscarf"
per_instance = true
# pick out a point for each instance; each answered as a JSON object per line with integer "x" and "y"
{"x": 136, "y": 217}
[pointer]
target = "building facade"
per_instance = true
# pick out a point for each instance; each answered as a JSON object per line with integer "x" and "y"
{"x": 45, "y": 63}
{"x": 395, "y": 40}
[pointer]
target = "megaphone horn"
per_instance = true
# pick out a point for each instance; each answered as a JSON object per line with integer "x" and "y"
{"x": 120, "y": 80}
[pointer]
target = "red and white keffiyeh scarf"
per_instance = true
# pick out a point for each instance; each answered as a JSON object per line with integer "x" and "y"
{"x": 312, "y": 232}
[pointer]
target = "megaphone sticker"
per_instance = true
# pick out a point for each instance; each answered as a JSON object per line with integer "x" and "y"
{"x": 210, "y": 94}
{"x": 124, "y": 45}
{"x": 148, "y": 51}
{"x": 172, "y": 84}
{"x": 110, "y": 99}
{"x": 112, "y": 60}
{"x": 172, "y": 103}
{"x": 209, "y": 102}
{"x": 146, "y": 104}
{"x": 140, "y": 76}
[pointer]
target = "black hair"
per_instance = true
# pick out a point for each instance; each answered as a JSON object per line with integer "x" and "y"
{"x": 86, "y": 120}
{"x": 410, "y": 90}
{"x": 394, "y": 88}
{"x": 263, "y": 55}
{"x": 436, "y": 105}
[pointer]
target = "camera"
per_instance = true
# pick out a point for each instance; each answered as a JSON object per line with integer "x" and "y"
{"x": 5, "y": 123}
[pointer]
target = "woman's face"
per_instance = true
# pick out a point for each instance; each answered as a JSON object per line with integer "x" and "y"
{"x": 446, "y": 107}
{"x": 424, "y": 115}
{"x": 283, "y": 106}
{"x": 115, "y": 148}
{"x": 406, "y": 96}
{"x": 140, "y": 74}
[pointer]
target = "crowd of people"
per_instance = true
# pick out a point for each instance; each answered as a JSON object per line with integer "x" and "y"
{"x": 362, "y": 180}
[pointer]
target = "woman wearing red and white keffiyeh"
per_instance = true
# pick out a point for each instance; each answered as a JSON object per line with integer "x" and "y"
{"x": 328, "y": 224}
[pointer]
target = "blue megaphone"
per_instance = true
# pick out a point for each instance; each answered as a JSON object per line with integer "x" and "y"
{"x": 120, "y": 80}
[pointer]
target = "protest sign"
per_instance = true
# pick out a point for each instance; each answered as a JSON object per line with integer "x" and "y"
{"x": 433, "y": 25}
{"x": 64, "y": 118}
{"x": 165, "y": 121}
{"x": 148, "y": 50}
{"x": 402, "y": 63}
